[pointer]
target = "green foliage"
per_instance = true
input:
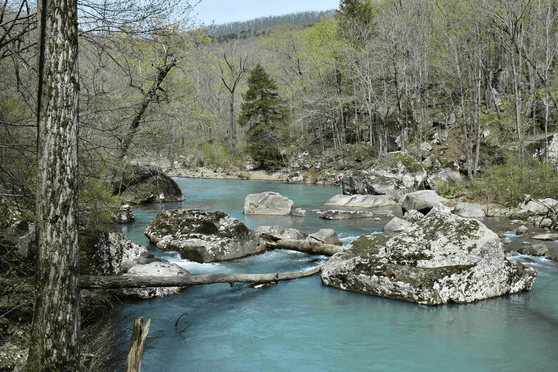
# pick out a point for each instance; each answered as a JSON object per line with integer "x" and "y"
{"x": 450, "y": 189}
{"x": 508, "y": 183}
{"x": 97, "y": 203}
{"x": 219, "y": 154}
{"x": 409, "y": 162}
{"x": 264, "y": 112}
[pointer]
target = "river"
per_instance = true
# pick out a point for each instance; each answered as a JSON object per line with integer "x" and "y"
{"x": 302, "y": 325}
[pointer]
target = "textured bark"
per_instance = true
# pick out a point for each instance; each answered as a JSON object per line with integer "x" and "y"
{"x": 137, "y": 345}
{"x": 114, "y": 282}
{"x": 54, "y": 340}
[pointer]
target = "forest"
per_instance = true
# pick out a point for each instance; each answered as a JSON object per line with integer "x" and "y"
{"x": 374, "y": 73}
{"x": 476, "y": 76}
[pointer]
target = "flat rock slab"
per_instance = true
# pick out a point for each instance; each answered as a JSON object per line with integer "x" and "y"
{"x": 361, "y": 201}
{"x": 441, "y": 259}
{"x": 546, "y": 237}
{"x": 268, "y": 203}
{"x": 203, "y": 236}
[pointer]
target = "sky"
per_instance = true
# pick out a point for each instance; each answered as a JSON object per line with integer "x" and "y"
{"x": 225, "y": 11}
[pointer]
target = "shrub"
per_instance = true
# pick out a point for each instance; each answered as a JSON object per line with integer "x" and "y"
{"x": 508, "y": 183}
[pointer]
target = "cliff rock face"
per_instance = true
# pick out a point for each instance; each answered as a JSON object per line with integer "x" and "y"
{"x": 441, "y": 259}
{"x": 203, "y": 236}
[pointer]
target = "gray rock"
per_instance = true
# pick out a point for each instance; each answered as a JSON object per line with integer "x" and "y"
{"x": 296, "y": 177}
{"x": 444, "y": 175}
{"x": 539, "y": 207}
{"x": 521, "y": 230}
{"x": 299, "y": 213}
{"x": 546, "y": 223}
{"x": 395, "y": 226}
{"x": 111, "y": 254}
{"x": 269, "y": 203}
{"x": 431, "y": 162}
{"x": 361, "y": 201}
{"x": 425, "y": 147}
{"x": 413, "y": 216}
{"x": 146, "y": 183}
{"x": 326, "y": 236}
{"x": 203, "y": 236}
{"x": 441, "y": 259}
{"x": 422, "y": 201}
{"x": 271, "y": 230}
{"x": 155, "y": 269}
{"x": 16, "y": 232}
{"x": 505, "y": 240}
{"x": 534, "y": 250}
{"x": 547, "y": 237}
{"x": 293, "y": 234}
{"x": 469, "y": 210}
{"x": 344, "y": 215}
{"x": 124, "y": 215}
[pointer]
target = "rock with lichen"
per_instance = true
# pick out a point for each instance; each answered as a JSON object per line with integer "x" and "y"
{"x": 203, "y": 236}
{"x": 268, "y": 203}
{"x": 441, "y": 259}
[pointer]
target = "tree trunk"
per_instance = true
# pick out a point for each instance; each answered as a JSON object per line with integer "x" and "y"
{"x": 117, "y": 282}
{"x": 55, "y": 333}
{"x": 137, "y": 344}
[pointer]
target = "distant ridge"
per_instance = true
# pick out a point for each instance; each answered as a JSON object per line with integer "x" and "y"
{"x": 257, "y": 26}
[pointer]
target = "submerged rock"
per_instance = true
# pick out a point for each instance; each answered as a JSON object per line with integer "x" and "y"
{"x": 439, "y": 260}
{"x": 203, "y": 236}
{"x": 269, "y": 202}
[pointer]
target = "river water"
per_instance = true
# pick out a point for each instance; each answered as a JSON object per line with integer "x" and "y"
{"x": 302, "y": 325}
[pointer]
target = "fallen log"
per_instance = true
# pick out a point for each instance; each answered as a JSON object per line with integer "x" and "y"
{"x": 117, "y": 282}
{"x": 313, "y": 247}
{"x": 137, "y": 344}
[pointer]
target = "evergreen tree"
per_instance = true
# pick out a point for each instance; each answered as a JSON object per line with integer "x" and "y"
{"x": 265, "y": 114}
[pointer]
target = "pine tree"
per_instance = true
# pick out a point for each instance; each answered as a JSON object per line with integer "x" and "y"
{"x": 265, "y": 114}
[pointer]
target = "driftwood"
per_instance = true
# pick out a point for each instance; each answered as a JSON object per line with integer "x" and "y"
{"x": 137, "y": 344}
{"x": 116, "y": 282}
{"x": 313, "y": 247}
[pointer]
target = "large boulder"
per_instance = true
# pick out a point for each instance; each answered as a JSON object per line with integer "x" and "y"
{"x": 155, "y": 269}
{"x": 440, "y": 260}
{"x": 422, "y": 201}
{"x": 203, "y": 236}
{"x": 469, "y": 210}
{"x": 361, "y": 201}
{"x": 110, "y": 254}
{"x": 146, "y": 183}
{"x": 269, "y": 202}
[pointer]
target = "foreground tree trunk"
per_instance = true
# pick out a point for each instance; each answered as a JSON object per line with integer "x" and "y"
{"x": 55, "y": 333}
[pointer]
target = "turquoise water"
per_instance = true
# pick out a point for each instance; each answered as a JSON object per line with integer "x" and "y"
{"x": 301, "y": 325}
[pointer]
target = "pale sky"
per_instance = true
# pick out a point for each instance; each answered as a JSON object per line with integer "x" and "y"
{"x": 225, "y": 11}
